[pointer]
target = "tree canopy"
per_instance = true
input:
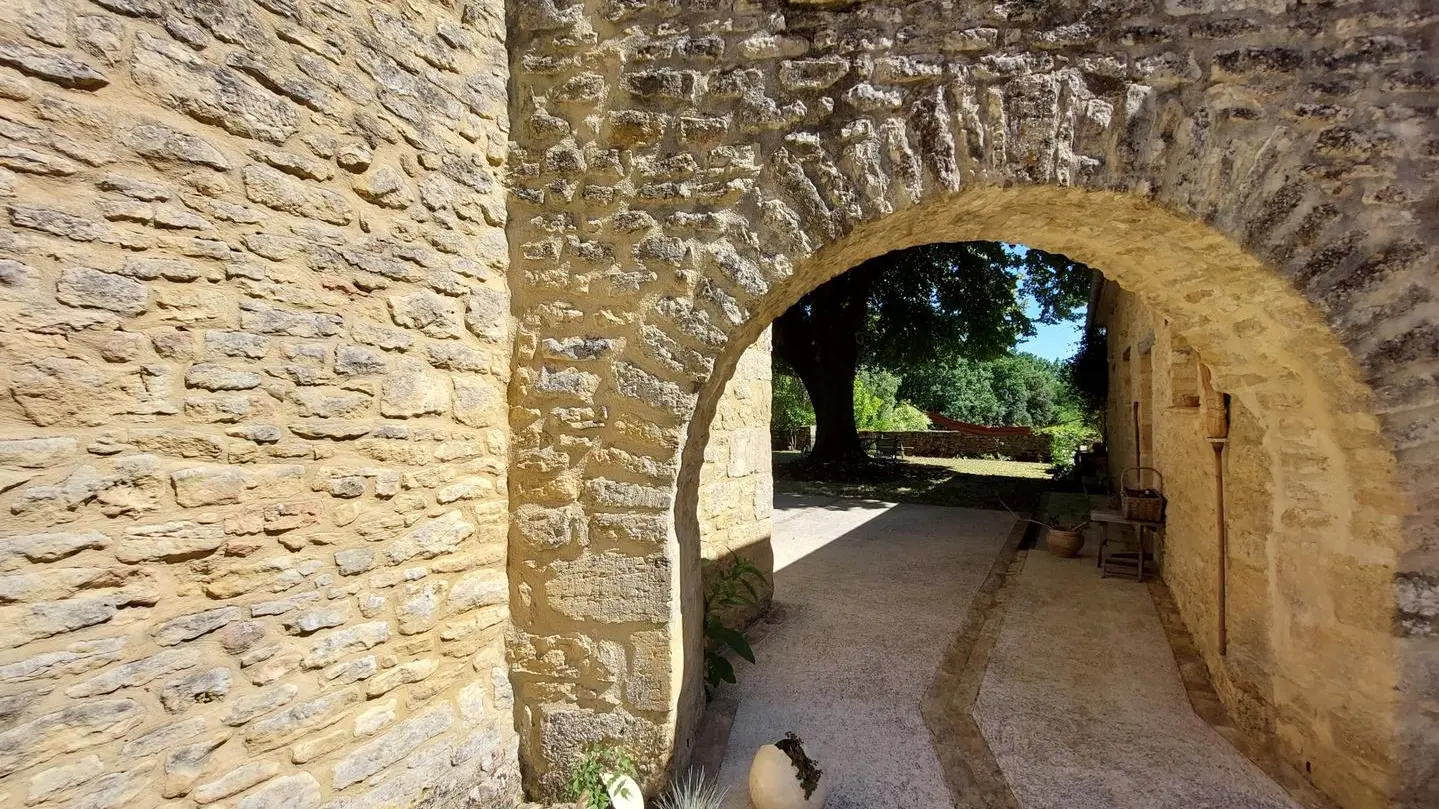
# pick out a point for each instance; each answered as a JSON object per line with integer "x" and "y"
{"x": 1011, "y": 389}
{"x": 966, "y": 299}
{"x": 923, "y": 307}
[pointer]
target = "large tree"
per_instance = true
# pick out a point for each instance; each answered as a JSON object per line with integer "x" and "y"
{"x": 904, "y": 309}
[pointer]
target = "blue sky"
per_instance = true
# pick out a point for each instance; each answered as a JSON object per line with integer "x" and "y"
{"x": 1057, "y": 342}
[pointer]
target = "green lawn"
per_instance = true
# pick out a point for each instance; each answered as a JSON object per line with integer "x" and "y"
{"x": 967, "y": 482}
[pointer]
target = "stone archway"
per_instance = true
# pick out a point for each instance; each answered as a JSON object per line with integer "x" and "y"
{"x": 684, "y": 171}
{"x": 1267, "y": 348}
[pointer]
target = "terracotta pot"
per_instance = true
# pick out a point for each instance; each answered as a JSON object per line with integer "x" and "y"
{"x": 1065, "y": 544}
{"x": 773, "y": 783}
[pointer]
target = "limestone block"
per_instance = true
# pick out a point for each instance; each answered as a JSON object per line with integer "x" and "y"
{"x": 391, "y": 747}
{"x": 300, "y": 791}
{"x": 413, "y": 389}
{"x": 76, "y": 727}
{"x": 93, "y": 289}
{"x": 186, "y": 82}
{"x": 610, "y": 588}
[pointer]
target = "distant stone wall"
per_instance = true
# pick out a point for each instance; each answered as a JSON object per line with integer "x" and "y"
{"x": 954, "y": 444}
{"x": 254, "y": 346}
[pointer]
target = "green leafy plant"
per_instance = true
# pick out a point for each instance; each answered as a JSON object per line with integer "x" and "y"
{"x": 1065, "y": 440}
{"x": 731, "y": 584}
{"x": 588, "y": 774}
{"x": 1072, "y": 519}
{"x": 693, "y": 791}
{"x": 806, "y": 769}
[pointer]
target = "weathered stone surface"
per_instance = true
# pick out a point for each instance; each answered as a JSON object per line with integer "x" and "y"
{"x": 139, "y": 672}
{"x": 274, "y": 189}
{"x": 162, "y": 143}
{"x": 302, "y": 719}
{"x": 185, "y": 766}
{"x": 244, "y": 709}
{"x": 92, "y": 289}
{"x": 57, "y": 779}
{"x": 334, "y": 645}
{"x": 413, "y": 389}
{"x": 48, "y": 547}
{"x": 290, "y": 792}
{"x": 208, "y": 486}
{"x": 200, "y": 342}
{"x": 205, "y": 686}
{"x": 438, "y": 536}
{"x": 237, "y": 780}
{"x": 213, "y": 376}
{"x": 610, "y": 588}
{"x": 189, "y": 627}
{"x": 59, "y": 68}
{"x": 391, "y": 747}
{"x": 478, "y": 589}
{"x": 427, "y": 312}
{"x": 163, "y": 738}
{"x": 188, "y": 83}
{"x": 172, "y": 541}
{"x": 75, "y": 727}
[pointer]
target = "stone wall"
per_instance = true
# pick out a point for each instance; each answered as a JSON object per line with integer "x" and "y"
{"x": 254, "y": 349}
{"x": 955, "y": 444}
{"x": 736, "y": 495}
{"x": 1254, "y": 171}
{"x": 1249, "y": 668}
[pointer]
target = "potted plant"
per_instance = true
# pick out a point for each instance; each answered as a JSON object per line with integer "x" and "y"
{"x": 1065, "y": 534}
{"x": 604, "y": 778}
{"x": 783, "y": 776}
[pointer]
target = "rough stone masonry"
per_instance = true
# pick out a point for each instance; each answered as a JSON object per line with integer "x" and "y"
{"x": 302, "y": 509}
{"x": 1259, "y": 172}
{"x": 253, "y": 444}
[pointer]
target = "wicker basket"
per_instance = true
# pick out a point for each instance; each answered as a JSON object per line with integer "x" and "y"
{"x": 1136, "y": 501}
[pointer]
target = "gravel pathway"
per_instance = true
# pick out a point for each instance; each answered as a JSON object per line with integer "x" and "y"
{"x": 1083, "y": 706}
{"x": 873, "y": 594}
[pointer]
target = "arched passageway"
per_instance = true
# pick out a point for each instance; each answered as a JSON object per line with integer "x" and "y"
{"x": 1335, "y": 525}
{"x": 685, "y": 175}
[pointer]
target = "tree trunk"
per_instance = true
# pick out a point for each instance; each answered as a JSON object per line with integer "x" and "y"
{"x": 819, "y": 338}
{"x": 831, "y": 391}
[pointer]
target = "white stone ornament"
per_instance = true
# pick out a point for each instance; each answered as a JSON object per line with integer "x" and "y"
{"x": 774, "y": 783}
{"x": 624, "y": 792}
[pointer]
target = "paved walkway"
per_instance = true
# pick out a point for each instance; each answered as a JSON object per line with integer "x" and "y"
{"x": 872, "y": 596}
{"x": 1081, "y": 704}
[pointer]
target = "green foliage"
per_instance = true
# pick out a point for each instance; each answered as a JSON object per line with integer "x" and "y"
{"x": 587, "y": 775}
{"x": 731, "y": 584}
{"x": 877, "y": 406}
{"x": 1013, "y": 389}
{"x": 1088, "y": 371}
{"x": 964, "y": 299}
{"x": 693, "y": 791}
{"x": 790, "y": 403}
{"x": 1066, "y": 439}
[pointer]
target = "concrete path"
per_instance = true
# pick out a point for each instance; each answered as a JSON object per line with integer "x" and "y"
{"x": 872, "y": 595}
{"x": 1083, "y": 706}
